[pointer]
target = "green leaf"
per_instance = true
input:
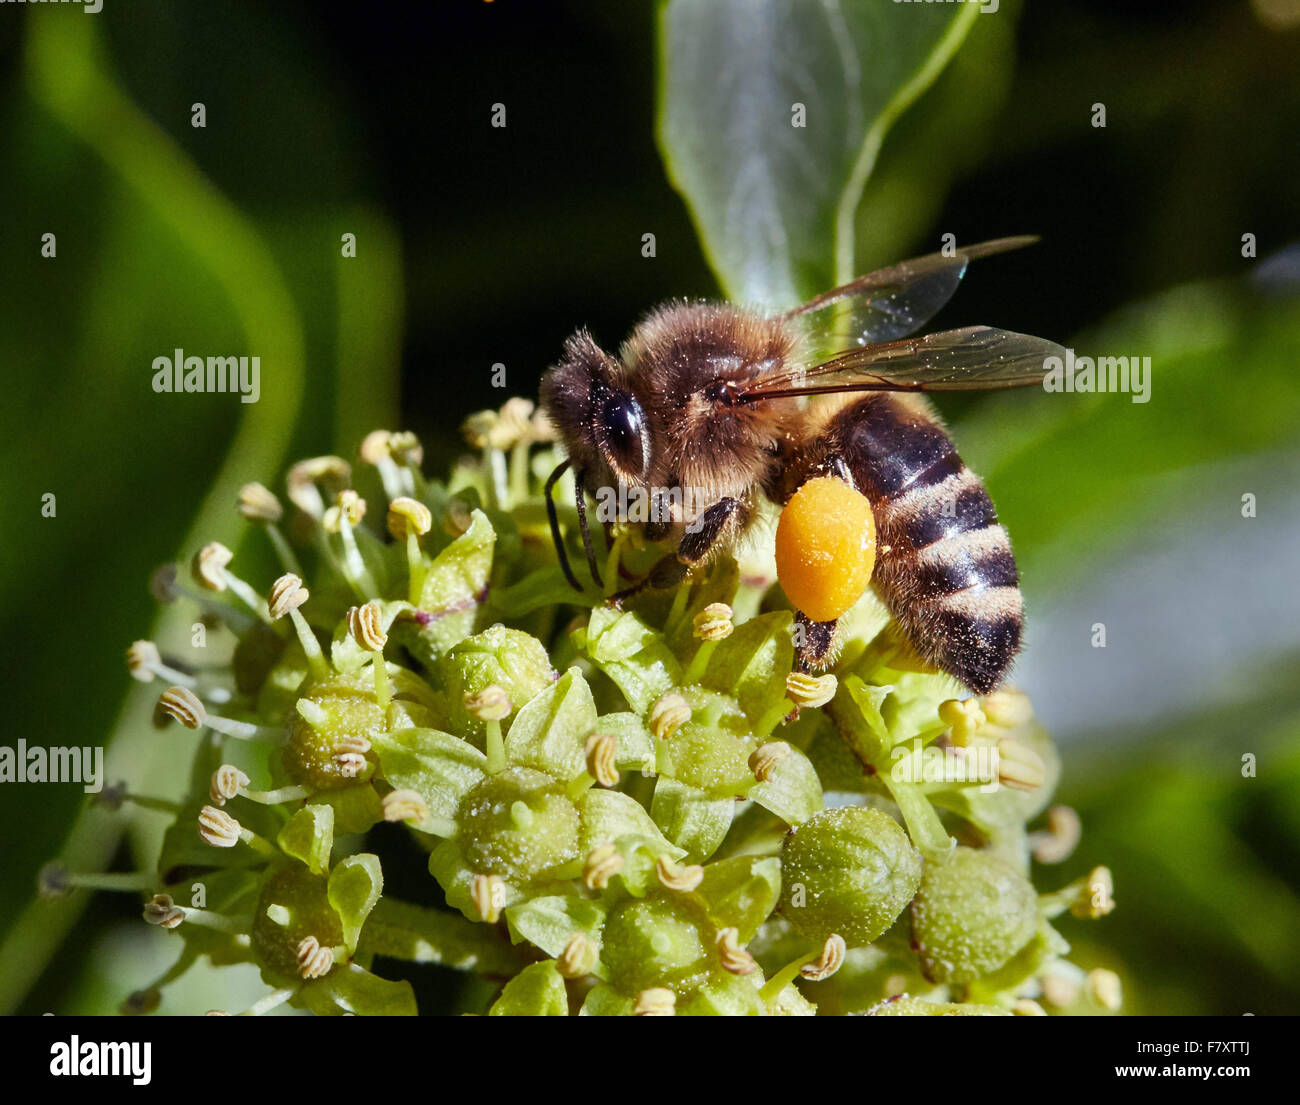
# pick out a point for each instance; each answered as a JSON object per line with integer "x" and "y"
{"x": 550, "y": 732}
{"x": 690, "y": 818}
{"x": 550, "y": 922}
{"x": 454, "y": 586}
{"x": 352, "y": 989}
{"x": 356, "y": 808}
{"x": 632, "y": 654}
{"x": 741, "y": 893}
{"x": 441, "y": 768}
{"x": 724, "y": 995}
{"x": 774, "y": 202}
{"x": 536, "y": 991}
{"x": 309, "y": 835}
{"x": 418, "y": 934}
{"x": 605, "y": 1001}
{"x": 792, "y": 791}
{"x": 355, "y": 885}
{"x": 636, "y": 748}
{"x": 753, "y": 662}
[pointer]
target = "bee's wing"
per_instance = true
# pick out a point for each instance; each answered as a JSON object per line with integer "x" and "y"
{"x": 889, "y": 303}
{"x": 973, "y": 358}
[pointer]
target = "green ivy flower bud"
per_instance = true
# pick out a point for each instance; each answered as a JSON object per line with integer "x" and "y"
{"x": 850, "y": 871}
{"x": 656, "y": 942}
{"x": 330, "y": 731}
{"x": 293, "y": 908}
{"x": 509, "y": 658}
{"x": 519, "y": 825}
{"x": 973, "y": 912}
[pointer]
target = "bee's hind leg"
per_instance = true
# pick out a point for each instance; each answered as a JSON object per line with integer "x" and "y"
{"x": 814, "y": 643}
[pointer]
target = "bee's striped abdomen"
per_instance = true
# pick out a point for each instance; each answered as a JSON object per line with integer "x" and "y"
{"x": 949, "y": 576}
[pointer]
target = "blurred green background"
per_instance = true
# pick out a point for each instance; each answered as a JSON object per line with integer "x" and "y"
{"x": 478, "y": 245}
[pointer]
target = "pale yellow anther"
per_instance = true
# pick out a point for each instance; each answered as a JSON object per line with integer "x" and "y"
{"x": 658, "y": 1001}
{"x": 579, "y": 956}
{"x": 209, "y": 566}
{"x": 763, "y": 760}
{"x": 216, "y": 1013}
{"x": 287, "y": 593}
{"x": 218, "y": 828}
{"x": 603, "y": 863}
{"x": 602, "y": 751}
{"x": 1019, "y": 765}
{"x": 516, "y": 418}
{"x": 713, "y": 623}
{"x": 676, "y": 876}
{"x": 142, "y": 659}
{"x": 183, "y": 705}
{"x": 809, "y": 691}
{"x": 1062, "y": 835}
{"x": 830, "y": 961}
{"x": 669, "y": 714}
{"x": 405, "y": 448}
{"x": 488, "y": 895}
{"x": 162, "y": 911}
{"x": 352, "y": 506}
{"x": 259, "y": 504}
{"x": 304, "y": 476}
{"x": 366, "y": 626}
{"x": 405, "y": 805}
{"x": 1105, "y": 988}
{"x": 1059, "y": 991}
{"x": 490, "y": 704}
{"x": 226, "y": 783}
{"x": 314, "y": 961}
{"x": 406, "y": 516}
{"x": 1008, "y": 708}
{"x": 1027, "y": 1007}
{"x": 374, "y": 447}
{"x": 963, "y": 717}
{"x": 350, "y": 764}
{"x": 1098, "y": 898}
{"x": 732, "y": 956}
{"x": 480, "y": 429}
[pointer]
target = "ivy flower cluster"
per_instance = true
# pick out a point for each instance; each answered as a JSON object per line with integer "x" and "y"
{"x": 627, "y": 810}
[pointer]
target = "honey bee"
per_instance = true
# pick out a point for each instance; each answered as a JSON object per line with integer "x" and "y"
{"x": 715, "y": 399}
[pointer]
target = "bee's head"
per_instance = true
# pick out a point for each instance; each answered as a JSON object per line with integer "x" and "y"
{"x": 600, "y": 421}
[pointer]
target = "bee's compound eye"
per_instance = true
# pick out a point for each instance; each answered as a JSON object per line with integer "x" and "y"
{"x": 622, "y": 434}
{"x": 825, "y": 548}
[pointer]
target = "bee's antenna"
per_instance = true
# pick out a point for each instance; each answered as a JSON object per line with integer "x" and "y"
{"x": 560, "y": 469}
{"x": 581, "y": 503}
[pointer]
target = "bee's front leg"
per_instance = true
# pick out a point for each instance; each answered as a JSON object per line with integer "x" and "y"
{"x": 694, "y": 546}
